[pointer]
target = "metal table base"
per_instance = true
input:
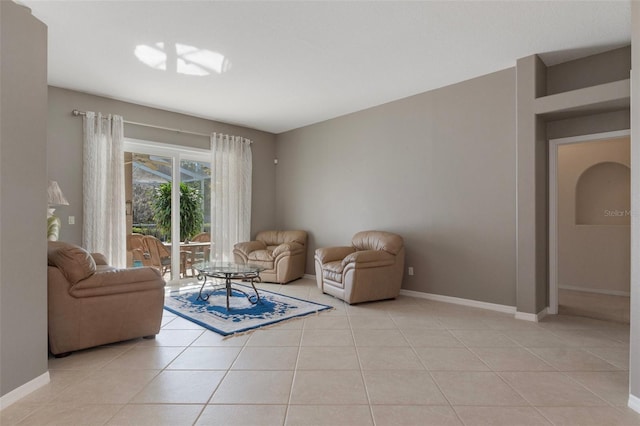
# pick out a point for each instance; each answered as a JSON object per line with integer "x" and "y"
{"x": 228, "y": 276}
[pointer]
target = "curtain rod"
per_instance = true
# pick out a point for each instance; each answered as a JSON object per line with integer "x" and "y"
{"x": 76, "y": 113}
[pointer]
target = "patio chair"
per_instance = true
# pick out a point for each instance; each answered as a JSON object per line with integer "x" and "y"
{"x": 159, "y": 254}
{"x": 137, "y": 251}
{"x": 199, "y": 254}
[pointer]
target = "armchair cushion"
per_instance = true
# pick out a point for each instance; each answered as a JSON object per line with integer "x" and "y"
{"x": 261, "y": 255}
{"x": 292, "y": 247}
{"x": 250, "y": 246}
{"x": 330, "y": 254}
{"x": 378, "y": 240}
{"x": 75, "y": 262}
{"x": 333, "y": 271}
{"x": 369, "y": 258}
{"x": 275, "y": 238}
{"x": 117, "y": 281}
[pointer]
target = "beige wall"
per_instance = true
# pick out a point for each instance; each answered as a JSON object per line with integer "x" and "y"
{"x": 437, "y": 168}
{"x": 593, "y": 245}
{"x": 64, "y": 143}
{"x": 531, "y": 160}
{"x": 343, "y": 175}
{"x": 23, "y": 197}
{"x": 589, "y": 124}
{"x": 570, "y": 75}
{"x": 554, "y": 102}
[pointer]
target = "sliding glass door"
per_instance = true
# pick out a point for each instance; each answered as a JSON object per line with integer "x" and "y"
{"x": 168, "y": 193}
{"x": 195, "y": 212}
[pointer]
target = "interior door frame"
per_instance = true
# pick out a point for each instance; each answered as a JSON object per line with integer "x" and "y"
{"x": 176, "y": 153}
{"x": 553, "y": 203}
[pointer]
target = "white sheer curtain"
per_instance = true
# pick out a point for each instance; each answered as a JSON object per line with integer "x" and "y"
{"x": 231, "y": 166}
{"x": 103, "y": 187}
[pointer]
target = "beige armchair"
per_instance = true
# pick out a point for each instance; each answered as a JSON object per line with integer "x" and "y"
{"x": 283, "y": 253}
{"x": 370, "y": 269}
{"x": 91, "y": 303}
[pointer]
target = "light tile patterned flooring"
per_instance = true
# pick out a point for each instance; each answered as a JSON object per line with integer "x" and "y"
{"x": 403, "y": 362}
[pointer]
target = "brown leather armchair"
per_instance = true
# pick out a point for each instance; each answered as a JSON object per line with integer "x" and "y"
{"x": 91, "y": 303}
{"x": 370, "y": 269}
{"x": 283, "y": 253}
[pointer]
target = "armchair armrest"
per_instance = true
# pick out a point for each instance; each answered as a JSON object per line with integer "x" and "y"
{"x": 331, "y": 254}
{"x": 118, "y": 281}
{"x": 288, "y": 248}
{"x": 369, "y": 258}
{"x": 249, "y": 246}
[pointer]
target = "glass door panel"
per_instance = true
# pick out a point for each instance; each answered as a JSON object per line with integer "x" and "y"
{"x": 148, "y": 187}
{"x": 195, "y": 212}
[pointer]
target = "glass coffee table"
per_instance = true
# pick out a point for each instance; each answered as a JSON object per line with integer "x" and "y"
{"x": 228, "y": 271}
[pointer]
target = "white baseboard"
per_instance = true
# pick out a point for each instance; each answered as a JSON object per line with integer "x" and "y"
{"x": 634, "y": 403}
{"x": 24, "y": 390}
{"x": 532, "y": 317}
{"x": 309, "y": 276}
{"x": 595, "y": 290}
{"x": 459, "y": 301}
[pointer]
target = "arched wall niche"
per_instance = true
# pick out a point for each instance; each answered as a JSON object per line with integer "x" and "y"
{"x": 603, "y": 195}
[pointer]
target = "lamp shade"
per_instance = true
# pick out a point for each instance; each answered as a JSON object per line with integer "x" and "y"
{"x": 55, "y": 197}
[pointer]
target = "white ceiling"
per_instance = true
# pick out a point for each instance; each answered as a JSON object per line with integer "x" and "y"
{"x": 289, "y": 64}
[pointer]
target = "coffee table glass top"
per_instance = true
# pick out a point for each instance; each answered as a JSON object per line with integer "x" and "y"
{"x": 227, "y": 268}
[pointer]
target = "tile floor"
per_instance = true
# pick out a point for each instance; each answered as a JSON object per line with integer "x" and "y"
{"x": 403, "y": 362}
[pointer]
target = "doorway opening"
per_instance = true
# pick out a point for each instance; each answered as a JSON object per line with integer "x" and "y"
{"x": 589, "y": 226}
{"x": 168, "y": 196}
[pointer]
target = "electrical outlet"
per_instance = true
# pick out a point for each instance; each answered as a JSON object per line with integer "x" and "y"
{"x": 72, "y": 220}
{"x": 410, "y": 270}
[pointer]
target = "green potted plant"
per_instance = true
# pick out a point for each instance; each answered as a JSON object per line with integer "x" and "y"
{"x": 191, "y": 213}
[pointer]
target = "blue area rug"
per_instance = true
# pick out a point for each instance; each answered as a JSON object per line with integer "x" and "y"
{"x": 243, "y": 315}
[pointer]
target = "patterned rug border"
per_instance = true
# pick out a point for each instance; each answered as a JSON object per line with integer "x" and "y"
{"x": 238, "y": 332}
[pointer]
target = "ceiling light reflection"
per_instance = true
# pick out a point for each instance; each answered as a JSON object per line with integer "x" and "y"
{"x": 185, "y": 59}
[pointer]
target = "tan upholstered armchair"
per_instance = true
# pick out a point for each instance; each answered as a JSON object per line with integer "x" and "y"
{"x": 91, "y": 303}
{"x": 283, "y": 253}
{"x": 370, "y": 269}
